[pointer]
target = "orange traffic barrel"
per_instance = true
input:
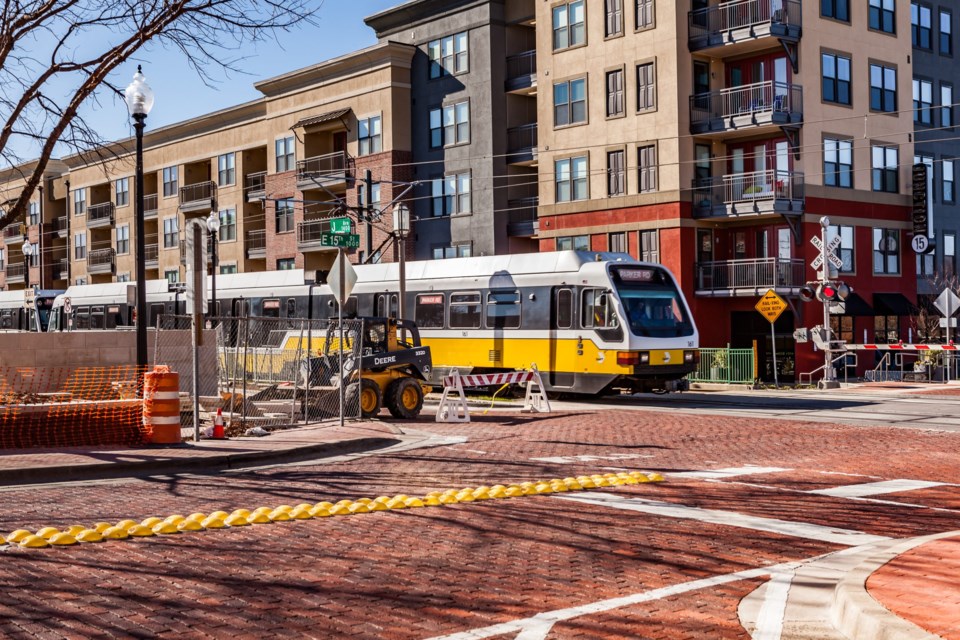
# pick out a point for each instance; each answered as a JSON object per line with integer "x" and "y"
{"x": 161, "y": 405}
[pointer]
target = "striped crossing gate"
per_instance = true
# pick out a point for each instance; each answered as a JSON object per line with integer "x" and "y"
{"x": 453, "y": 403}
{"x": 899, "y": 346}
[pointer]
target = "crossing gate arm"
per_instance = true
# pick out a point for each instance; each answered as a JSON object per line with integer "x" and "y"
{"x": 901, "y": 347}
{"x": 453, "y": 402}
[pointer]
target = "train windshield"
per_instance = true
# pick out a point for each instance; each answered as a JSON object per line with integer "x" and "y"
{"x": 652, "y": 303}
{"x": 43, "y": 306}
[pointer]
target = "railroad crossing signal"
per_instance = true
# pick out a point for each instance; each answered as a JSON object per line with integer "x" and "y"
{"x": 771, "y": 306}
{"x": 831, "y": 257}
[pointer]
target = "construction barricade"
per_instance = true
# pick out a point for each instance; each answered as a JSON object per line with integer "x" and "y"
{"x": 161, "y": 405}
{"x": 453, "y": 402}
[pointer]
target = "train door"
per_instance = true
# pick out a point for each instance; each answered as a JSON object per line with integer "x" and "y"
{"x": 563, "y": 350}
{"x": 386, "y": 305}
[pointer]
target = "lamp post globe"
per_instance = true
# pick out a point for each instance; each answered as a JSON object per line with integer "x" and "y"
{"x": 139, "y": 98}
{"x": 213, "y": 226}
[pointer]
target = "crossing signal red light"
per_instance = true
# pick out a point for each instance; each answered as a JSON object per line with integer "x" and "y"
{"x": 833, "y": 292}
{"x": 807, "y": 293}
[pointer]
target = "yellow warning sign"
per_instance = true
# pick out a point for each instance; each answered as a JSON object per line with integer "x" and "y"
{"x": 771, "y": 306}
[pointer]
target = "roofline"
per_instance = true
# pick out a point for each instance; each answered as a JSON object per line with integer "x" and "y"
{"x": 416, "y": 12}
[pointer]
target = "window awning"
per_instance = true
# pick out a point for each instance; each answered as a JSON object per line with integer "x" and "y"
{"x": 330, "y": 116}
{"x": 854, "y": 305}
{"x": 893, "y": 304}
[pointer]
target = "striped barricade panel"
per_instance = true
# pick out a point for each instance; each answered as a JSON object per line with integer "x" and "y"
{"x": 483, "y": 380}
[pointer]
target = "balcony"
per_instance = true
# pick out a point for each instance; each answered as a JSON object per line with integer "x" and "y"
{"x": 62, "y": 226}
{"x": 101, "y": 261}
{"x": 522, "y": 145}
{"x": 61, "y": 270}
{"x": 522, "y": 74}
{"x": 522, "y": 220}
{"x": 749, "y": 278}
{"x": 15, "y": 272}
{"x": 255, "y": 186}
{"x": 329, "y": 171}
{"x": 747, "y": 194}
{"x": 309, "y": 235}
{"x": 13, "y": 233}
{"x": 753, "y": 108}
{"x": 198, "y": 198}
{"x": 100, "y": 215}
{"x": 151, "y": 256}
{"x": 150, "y": 207}
{"x": 256, "y": 244}
{"x": 742, "y": 26}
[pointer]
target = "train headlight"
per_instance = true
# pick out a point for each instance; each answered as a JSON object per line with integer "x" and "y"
{"x": 644, "y": 357}
{"x": 690, "y": 357}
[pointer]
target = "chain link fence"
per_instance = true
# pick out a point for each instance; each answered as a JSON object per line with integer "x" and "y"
{"x": 264, "y": 373}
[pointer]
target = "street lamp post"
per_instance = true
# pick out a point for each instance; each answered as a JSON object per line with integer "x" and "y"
{"x": 213, "y": 226}
{"x": 27, "y": 252}
{"x": 139, "y": 99}
{"x": 401, "y": 227}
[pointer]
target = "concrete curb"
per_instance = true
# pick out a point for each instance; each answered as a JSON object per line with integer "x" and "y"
{"x": 857, "y": 615}
{"x": 199, "y": 464}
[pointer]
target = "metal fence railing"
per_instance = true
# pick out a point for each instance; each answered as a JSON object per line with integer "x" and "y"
{"x": 752, "y": 100}
{"x": 750, "y": 273}
{"x": 725, "y": 366}
{"x": 708, "y": 26}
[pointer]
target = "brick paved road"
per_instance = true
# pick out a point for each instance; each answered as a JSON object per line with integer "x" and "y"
{"x": 435, "y": 572}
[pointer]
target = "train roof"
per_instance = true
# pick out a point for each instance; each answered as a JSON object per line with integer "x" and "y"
{"x": 259, "y": 280}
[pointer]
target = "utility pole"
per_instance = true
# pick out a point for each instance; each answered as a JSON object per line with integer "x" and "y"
{"x": 368, "y": 215}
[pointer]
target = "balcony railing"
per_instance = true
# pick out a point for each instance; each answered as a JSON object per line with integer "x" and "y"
{"x": 256, "y": 243}
{"x": 749, "y": 277}
{"x": 13, "y": 233}
{"x": 255, "y": 185}
{"x": 101, "y": 260}
{"x": 740, "y": 20}
{"x": 746, "y": 107}
{"x": 100, "y": 215}
{"x": 61, "y": 226}
{"x": 522, "y": 71}
{"x": 769, "y": 191}
{"x": 150, "y": 206}
{"x": 61, "y": 270}
{"x": 201, "y": 196}
{"x": 309, "y": 235}
{"x": 326, "y": 169}
{"x": 15, "y": 272}
{"x": 522, "y": 219}
{"x": 151, "y": 255}
{"x": 522, "y": 144}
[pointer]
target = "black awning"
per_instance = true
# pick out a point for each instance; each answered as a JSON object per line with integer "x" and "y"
{"x": 330, "y": 116}
{"x": 854, "y": 305}
{"x": 893, "y": 304}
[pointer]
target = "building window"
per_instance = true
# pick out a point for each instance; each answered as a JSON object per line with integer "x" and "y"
{"x": 569, "y": 102}
{"x": 836, "y": 9}
{"x": 617, "y": 242}
{"x": 845, "y": 250}
{"x": 448, "y": 56}
{"x": 883, "y": 88}
{"x": 286, "y": 264}
{"x": 838, "y": 163}
{"x": 644, "y": 18}
{"x": 921, "y": 26}
{"x": 463, "y": 250}
{"x": 884, "y": 161}
{"x": 284, "y": 215}
{"x": 922, "y": 101}
{"x": 450, "y": 125}
{"x": 227, "y": 269}
{"x": 79, "y": 202}
{"x": 34, "y": 213}
{"x": 886, "y": 251}
{"x": 650, "y": 246}
{"x": 80, "y": 246}
{"x": 370, "y": 136}
{"x": 172, "y": 275}
{"x": 3, "y": 258}
{"x": 647, "y": 166}
{"x": 614, "y": 14}
{"x": 226, "y": 169}
{"x": 122, "y": 187}
{"x": 171, "y": 233}
{"x": 569, "y": 29}
{"x": 573, "y": 243}
{"x": 883, "y": 16}
{"x": 946, "y": 32}
{"x": 616, "y": 173}
{"x": 949, "y": 182}
{"x": 228, "y": 224}
{"x": 123, "y": 239}
{"x": 286, "y": 154}
{"x": 375, "y": 195}
{"x": 615, "y": 93}
{"x": 946, "y": 105}
{"x": 571, "y": 179}
{"x": 450, "y": 195}
{"x": 646, "y": 87}
{"x": 123, "y": 277}
{"x": 836, "y": 78}
{"x": 170, "y": 181}
{"x": 949, "y": 254}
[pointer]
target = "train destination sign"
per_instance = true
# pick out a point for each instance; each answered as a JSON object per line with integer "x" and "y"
{"x": 771, "y": 306}
{"x": 347, "y": 241}
{"x": 340, "y": 226}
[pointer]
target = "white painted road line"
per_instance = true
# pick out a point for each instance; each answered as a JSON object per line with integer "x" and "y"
{"x": 721, "y": 474}
{"x": 770, "y": 617}
{"x": 876, "y": 488}
{"x": 806, "y": 530}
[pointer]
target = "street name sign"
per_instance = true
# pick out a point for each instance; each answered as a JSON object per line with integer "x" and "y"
{"x": 771, "y": 306}
{"x": 341, "y": 226}
{"x": 347, "y": 241}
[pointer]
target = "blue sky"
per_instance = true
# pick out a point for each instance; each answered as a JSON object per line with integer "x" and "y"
{"x": 181, "y": 95}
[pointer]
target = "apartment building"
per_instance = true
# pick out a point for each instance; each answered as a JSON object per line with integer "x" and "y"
{"x": 473, "y": 123}
{"x": 712, "y": 137}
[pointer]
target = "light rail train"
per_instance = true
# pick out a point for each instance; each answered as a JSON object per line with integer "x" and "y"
{"x": 26, "y": 309}
{"x": 593, "y": 323}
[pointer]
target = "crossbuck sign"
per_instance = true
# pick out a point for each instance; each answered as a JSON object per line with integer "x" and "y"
{"x": 829, "y": 252}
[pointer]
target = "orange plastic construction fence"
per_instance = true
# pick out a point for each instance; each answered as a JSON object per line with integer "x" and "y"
{"x": 161, "y": 405}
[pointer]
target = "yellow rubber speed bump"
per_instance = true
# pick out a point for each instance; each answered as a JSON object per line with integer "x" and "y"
{"x": 654, "y": 477}
{"x": 323, "y": 505}
{"x": 174, "y": 519}
{"x": 237, "y": 520}
{"x": 241, "y": 512}
{"x": 197, "y": 517}
{"x": 164, "y": 528}
{"x": 100, "y": 527}
{"x": 543, "y": 488}
{"x": 279, "y": 515}
{"x": 74, "y": 529}
{"x": 358, "y": 507}
{"x": 16, "y": 536}
{"x": 465, "y": 496}
{"x": 514, "y": 492}
{"x": 48, "y": 532}
{"x": 115, "y": 533}
{"x": 559, "y": 487}
{"x": 401, "y": 497}
{"x": 262, "y": 510}
{"x": 413, "y": 503}
{"x": 126, "y": 524}
{"x": 301, "y": 512}
{"x": 448, "y": 499}
{"x": 344, "y": 503}
{"x": 90, "y": 535}
{"x": 586, "y": 482}
{"x": 434, "y": 494}
{"x": 150, "y": 523}
{"x": 220, "y": 515}
{"x": 481, "y": 493}
{"x": 140, "y": 531}
{"x": 33, "y": 542}
{"x": 320, "y": 511}
{"x": 211, "y": 522}
{"x": 259, "y": 518}
{"x": 366, "y": 501}
{"x": 382, "y": 499}
{"x": 396, "y": 504}
{"x": 429, "y": 501}
{"x": 62, "y": 539}
{"x": 302, "y": 506}
{"x": 189, "y": 525}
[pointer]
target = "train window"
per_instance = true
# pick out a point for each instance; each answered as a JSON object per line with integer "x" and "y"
{"x": 596, "y": 311}
{"x": 503, "y": 310}
{"x": 6, "y": 319}
{"x": 97, "y": 319}
{"x": 564, "y": 317}
{"x": 113, "y": 317}
{"x": 291, "y": 307}
{"x": 271, "y": 308}
{"x": 156, "y": 310}
{"x": 83, "y": 318}
{"x": 464, "y": 310}
{"x": 428, "y": 311}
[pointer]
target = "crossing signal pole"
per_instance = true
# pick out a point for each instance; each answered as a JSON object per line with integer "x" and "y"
{"x": 828, "y": 293}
